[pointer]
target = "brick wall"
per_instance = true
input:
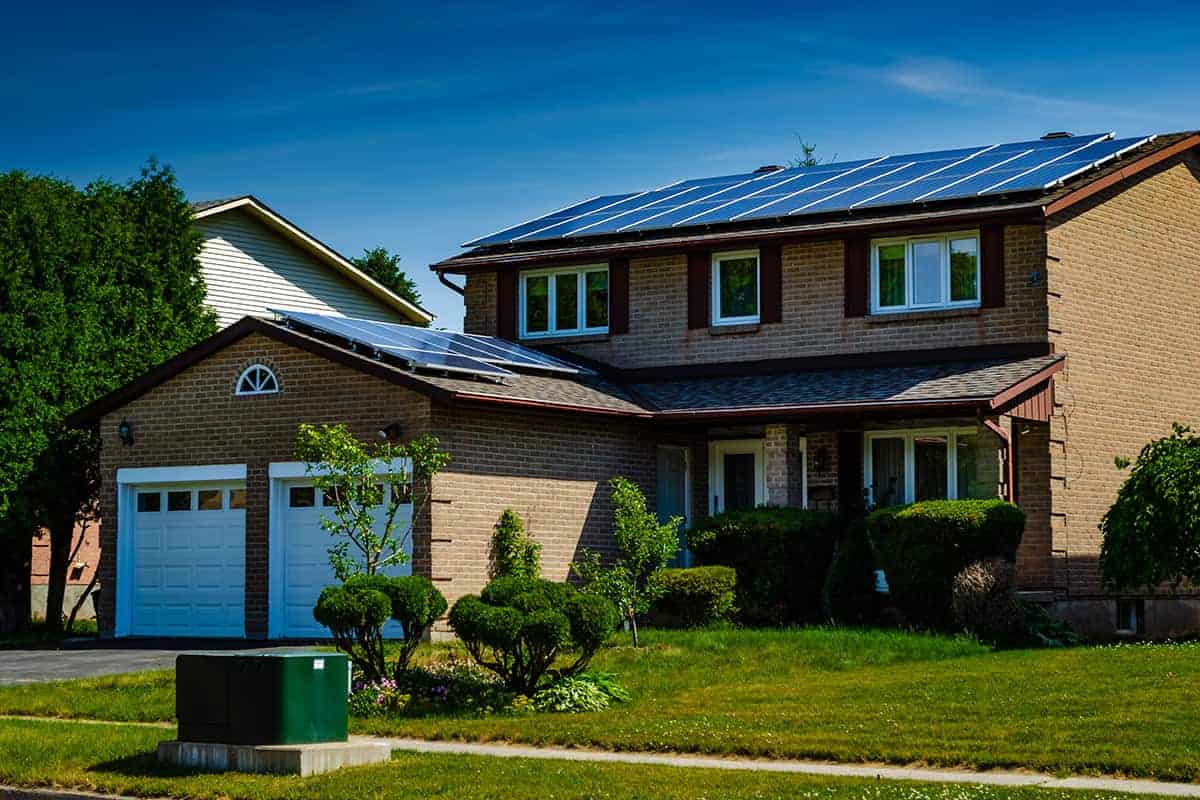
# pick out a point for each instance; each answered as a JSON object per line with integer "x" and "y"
{"x": 551, "y": 469}
{"x": 1125, "y": 307}
{"x": 1035, "y": 566}
{"x": 194, "y": 418}
{"x": 813, "y": 312}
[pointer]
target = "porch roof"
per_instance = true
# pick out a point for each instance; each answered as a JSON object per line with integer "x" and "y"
{"x": 984, "y": 383}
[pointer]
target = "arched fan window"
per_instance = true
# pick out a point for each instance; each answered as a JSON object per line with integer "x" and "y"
{"x": 257, "y": 379}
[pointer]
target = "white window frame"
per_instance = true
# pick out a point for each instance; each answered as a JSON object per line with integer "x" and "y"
{"x": 237, "y": 387}
{"x": 581, "y": 328}
{"x": 715, "y": 299}
{"x": 910, "y": 472}
{"x": 945, "y": 302}
{"x": 716, "y": 470}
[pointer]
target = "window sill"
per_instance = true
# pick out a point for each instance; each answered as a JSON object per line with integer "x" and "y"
{"x": 878, "y": 318}
{"x": 733, "y": 330}
{"x": 565, "y": 339}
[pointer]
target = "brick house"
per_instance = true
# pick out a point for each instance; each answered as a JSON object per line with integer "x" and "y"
{"x": 251, "y": 258}
{"x": 988, "y": 321}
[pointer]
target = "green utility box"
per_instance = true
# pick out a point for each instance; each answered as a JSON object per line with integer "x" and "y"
{"x": 268, "y": 698}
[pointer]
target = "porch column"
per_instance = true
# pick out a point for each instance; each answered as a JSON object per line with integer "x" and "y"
{"x": 784, "y": 467}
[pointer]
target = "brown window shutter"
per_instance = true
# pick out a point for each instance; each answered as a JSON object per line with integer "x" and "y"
{"x": 506, "y": 304}
{"x": 770, "y": 273}
{"x": 991, "y": 254}
{"x": 857, "y": 276}
{"x": 850, "y": 471}
{"x": 698, "y": 276}
{"x": 618, "y": 295}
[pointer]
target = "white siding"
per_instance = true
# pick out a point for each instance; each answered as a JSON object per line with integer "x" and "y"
{"x": 248, "y": 269}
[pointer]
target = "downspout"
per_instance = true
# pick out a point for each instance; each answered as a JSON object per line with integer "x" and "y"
{"x": 446, "y": 282}
{"x": 1010, "y": 484}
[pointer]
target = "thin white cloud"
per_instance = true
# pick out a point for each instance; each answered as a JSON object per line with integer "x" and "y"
{"x": 961, "y": 83}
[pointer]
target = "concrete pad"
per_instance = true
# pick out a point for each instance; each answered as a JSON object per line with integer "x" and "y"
{"x": 276, "y": 759}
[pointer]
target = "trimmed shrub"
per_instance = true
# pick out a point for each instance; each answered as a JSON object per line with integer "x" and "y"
{"x": 781, "y": 556}
{"x": 356, "y": 612}
{"x": 922, "y": 547}
{"x": 694, "y": 596}
{"x": 518, "y": 627}
{"x": 850, "y": 597}
{"x": 513, "y": 553}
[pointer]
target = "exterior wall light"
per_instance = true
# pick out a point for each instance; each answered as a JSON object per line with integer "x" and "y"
{"x": 391, "y": 433}
{"x": 125, "y": 431}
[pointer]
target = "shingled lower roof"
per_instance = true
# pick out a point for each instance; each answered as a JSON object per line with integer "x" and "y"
{"x": 970, "y": 383}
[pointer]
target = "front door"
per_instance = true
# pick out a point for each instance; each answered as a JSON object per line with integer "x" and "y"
{"x": 736, "y": 476}
{"x": 672, "y": 495}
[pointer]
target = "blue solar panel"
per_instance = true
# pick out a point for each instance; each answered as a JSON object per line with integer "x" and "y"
{"x": 425, "y": 348}
{"x": 869, "y": 183}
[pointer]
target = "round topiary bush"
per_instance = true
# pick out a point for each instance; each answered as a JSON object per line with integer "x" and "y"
{"x": 518, "y": 627}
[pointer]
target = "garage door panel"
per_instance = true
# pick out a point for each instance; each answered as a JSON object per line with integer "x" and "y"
{"x": 306, "y": 570}
{"x": 189, "y": 568}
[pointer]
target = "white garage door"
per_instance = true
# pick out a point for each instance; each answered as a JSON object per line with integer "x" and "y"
{"x": 189, "y": 560}
{"x": 305, "y": 560}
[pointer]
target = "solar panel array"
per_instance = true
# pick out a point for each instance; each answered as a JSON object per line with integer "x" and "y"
{"x": 422, "y": 348}
{"x": 889, "y": 180}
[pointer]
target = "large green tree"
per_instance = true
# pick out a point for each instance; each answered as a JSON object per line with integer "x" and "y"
{"x": 385, "y": 268}
{"x": 96, "y": 286}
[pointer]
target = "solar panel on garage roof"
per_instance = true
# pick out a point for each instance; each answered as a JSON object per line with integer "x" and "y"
{"x": 869, "y": 183}
{"x": 422, "y": 348}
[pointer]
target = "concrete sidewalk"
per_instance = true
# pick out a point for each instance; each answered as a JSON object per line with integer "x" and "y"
{"x": 826, "y": 769}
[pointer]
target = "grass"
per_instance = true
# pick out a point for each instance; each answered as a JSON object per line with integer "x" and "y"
{"x": 119, "y": 759}
{"x": 39, "y": 635}
{"x": 845, "y": 695}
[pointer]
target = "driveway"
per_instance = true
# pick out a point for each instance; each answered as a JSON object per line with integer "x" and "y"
{"x": 90, "y": 658}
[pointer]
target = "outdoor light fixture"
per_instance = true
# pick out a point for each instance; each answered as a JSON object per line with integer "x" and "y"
{"x": 391, "y": 433}
{"x": 125, "y": 431}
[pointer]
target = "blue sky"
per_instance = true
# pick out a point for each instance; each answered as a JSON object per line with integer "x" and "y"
{"x": 418, "y": 127}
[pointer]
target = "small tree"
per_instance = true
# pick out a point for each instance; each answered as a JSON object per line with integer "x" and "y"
{"x": 644, "y": 546}
{"x": 353, "y": 478}
{"x": 513, "y": 552}
{"x": 518, "y": 628}
{"x": 385, "y": 268}
{"x": 1152, "y": 531}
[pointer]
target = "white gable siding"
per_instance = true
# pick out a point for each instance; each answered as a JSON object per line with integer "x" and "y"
{"x": 248, "y": 269}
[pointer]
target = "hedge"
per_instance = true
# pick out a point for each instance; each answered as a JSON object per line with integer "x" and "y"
{"x": 781, "y": 556}
{"x": 694, "y": 596}
{"x": 922, "y": 547}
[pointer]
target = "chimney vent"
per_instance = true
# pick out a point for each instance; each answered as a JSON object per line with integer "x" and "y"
{"x": 1058, "y": 135}
{"x": 768, "y": 168}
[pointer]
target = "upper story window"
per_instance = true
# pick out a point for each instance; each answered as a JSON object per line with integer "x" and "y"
{"x": 257, "y": 379}
{"x": 564, "y": 302}
{"x": 925, "y": 272}
{"x": 735, "y": 288}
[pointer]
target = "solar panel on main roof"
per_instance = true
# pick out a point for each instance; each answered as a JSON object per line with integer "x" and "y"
{"x": 422, "y": 348}
{"x": 995, "y": 169}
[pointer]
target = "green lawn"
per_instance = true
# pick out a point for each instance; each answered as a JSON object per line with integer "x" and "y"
{"x": 839, "y": 694}
{"x": 119, "y": 759}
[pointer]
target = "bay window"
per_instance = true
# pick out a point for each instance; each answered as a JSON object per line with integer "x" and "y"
{"x": 902, "y": 467}
{"x": 925, "y": 272}
{"x": 564, "y": 302}
{"x": 735, "y": 294}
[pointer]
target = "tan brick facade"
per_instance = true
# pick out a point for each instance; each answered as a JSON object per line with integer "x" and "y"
{"x": 1125, "y": 307}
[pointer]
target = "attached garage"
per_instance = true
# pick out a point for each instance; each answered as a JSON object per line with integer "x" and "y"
{"x": 182, "y": 551}
{"x": 299, "y": 567}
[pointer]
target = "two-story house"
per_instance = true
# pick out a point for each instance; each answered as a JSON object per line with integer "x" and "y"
{"x": 992, "y": 320}
{"x": 252, "y": 259}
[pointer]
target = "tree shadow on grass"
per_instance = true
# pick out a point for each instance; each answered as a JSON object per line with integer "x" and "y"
{"x": 147, "y": 765}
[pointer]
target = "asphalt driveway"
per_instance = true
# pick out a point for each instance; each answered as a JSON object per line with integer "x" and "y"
{"x": 91, "y": 658}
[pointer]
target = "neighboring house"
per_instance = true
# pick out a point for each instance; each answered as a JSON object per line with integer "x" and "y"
{"x": 252, "y": 259}
{"x": 1000, "y": 320}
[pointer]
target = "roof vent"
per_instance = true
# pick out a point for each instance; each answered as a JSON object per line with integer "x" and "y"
{"x": 768, "y": 168}
{"x": 1058, "y": 135}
